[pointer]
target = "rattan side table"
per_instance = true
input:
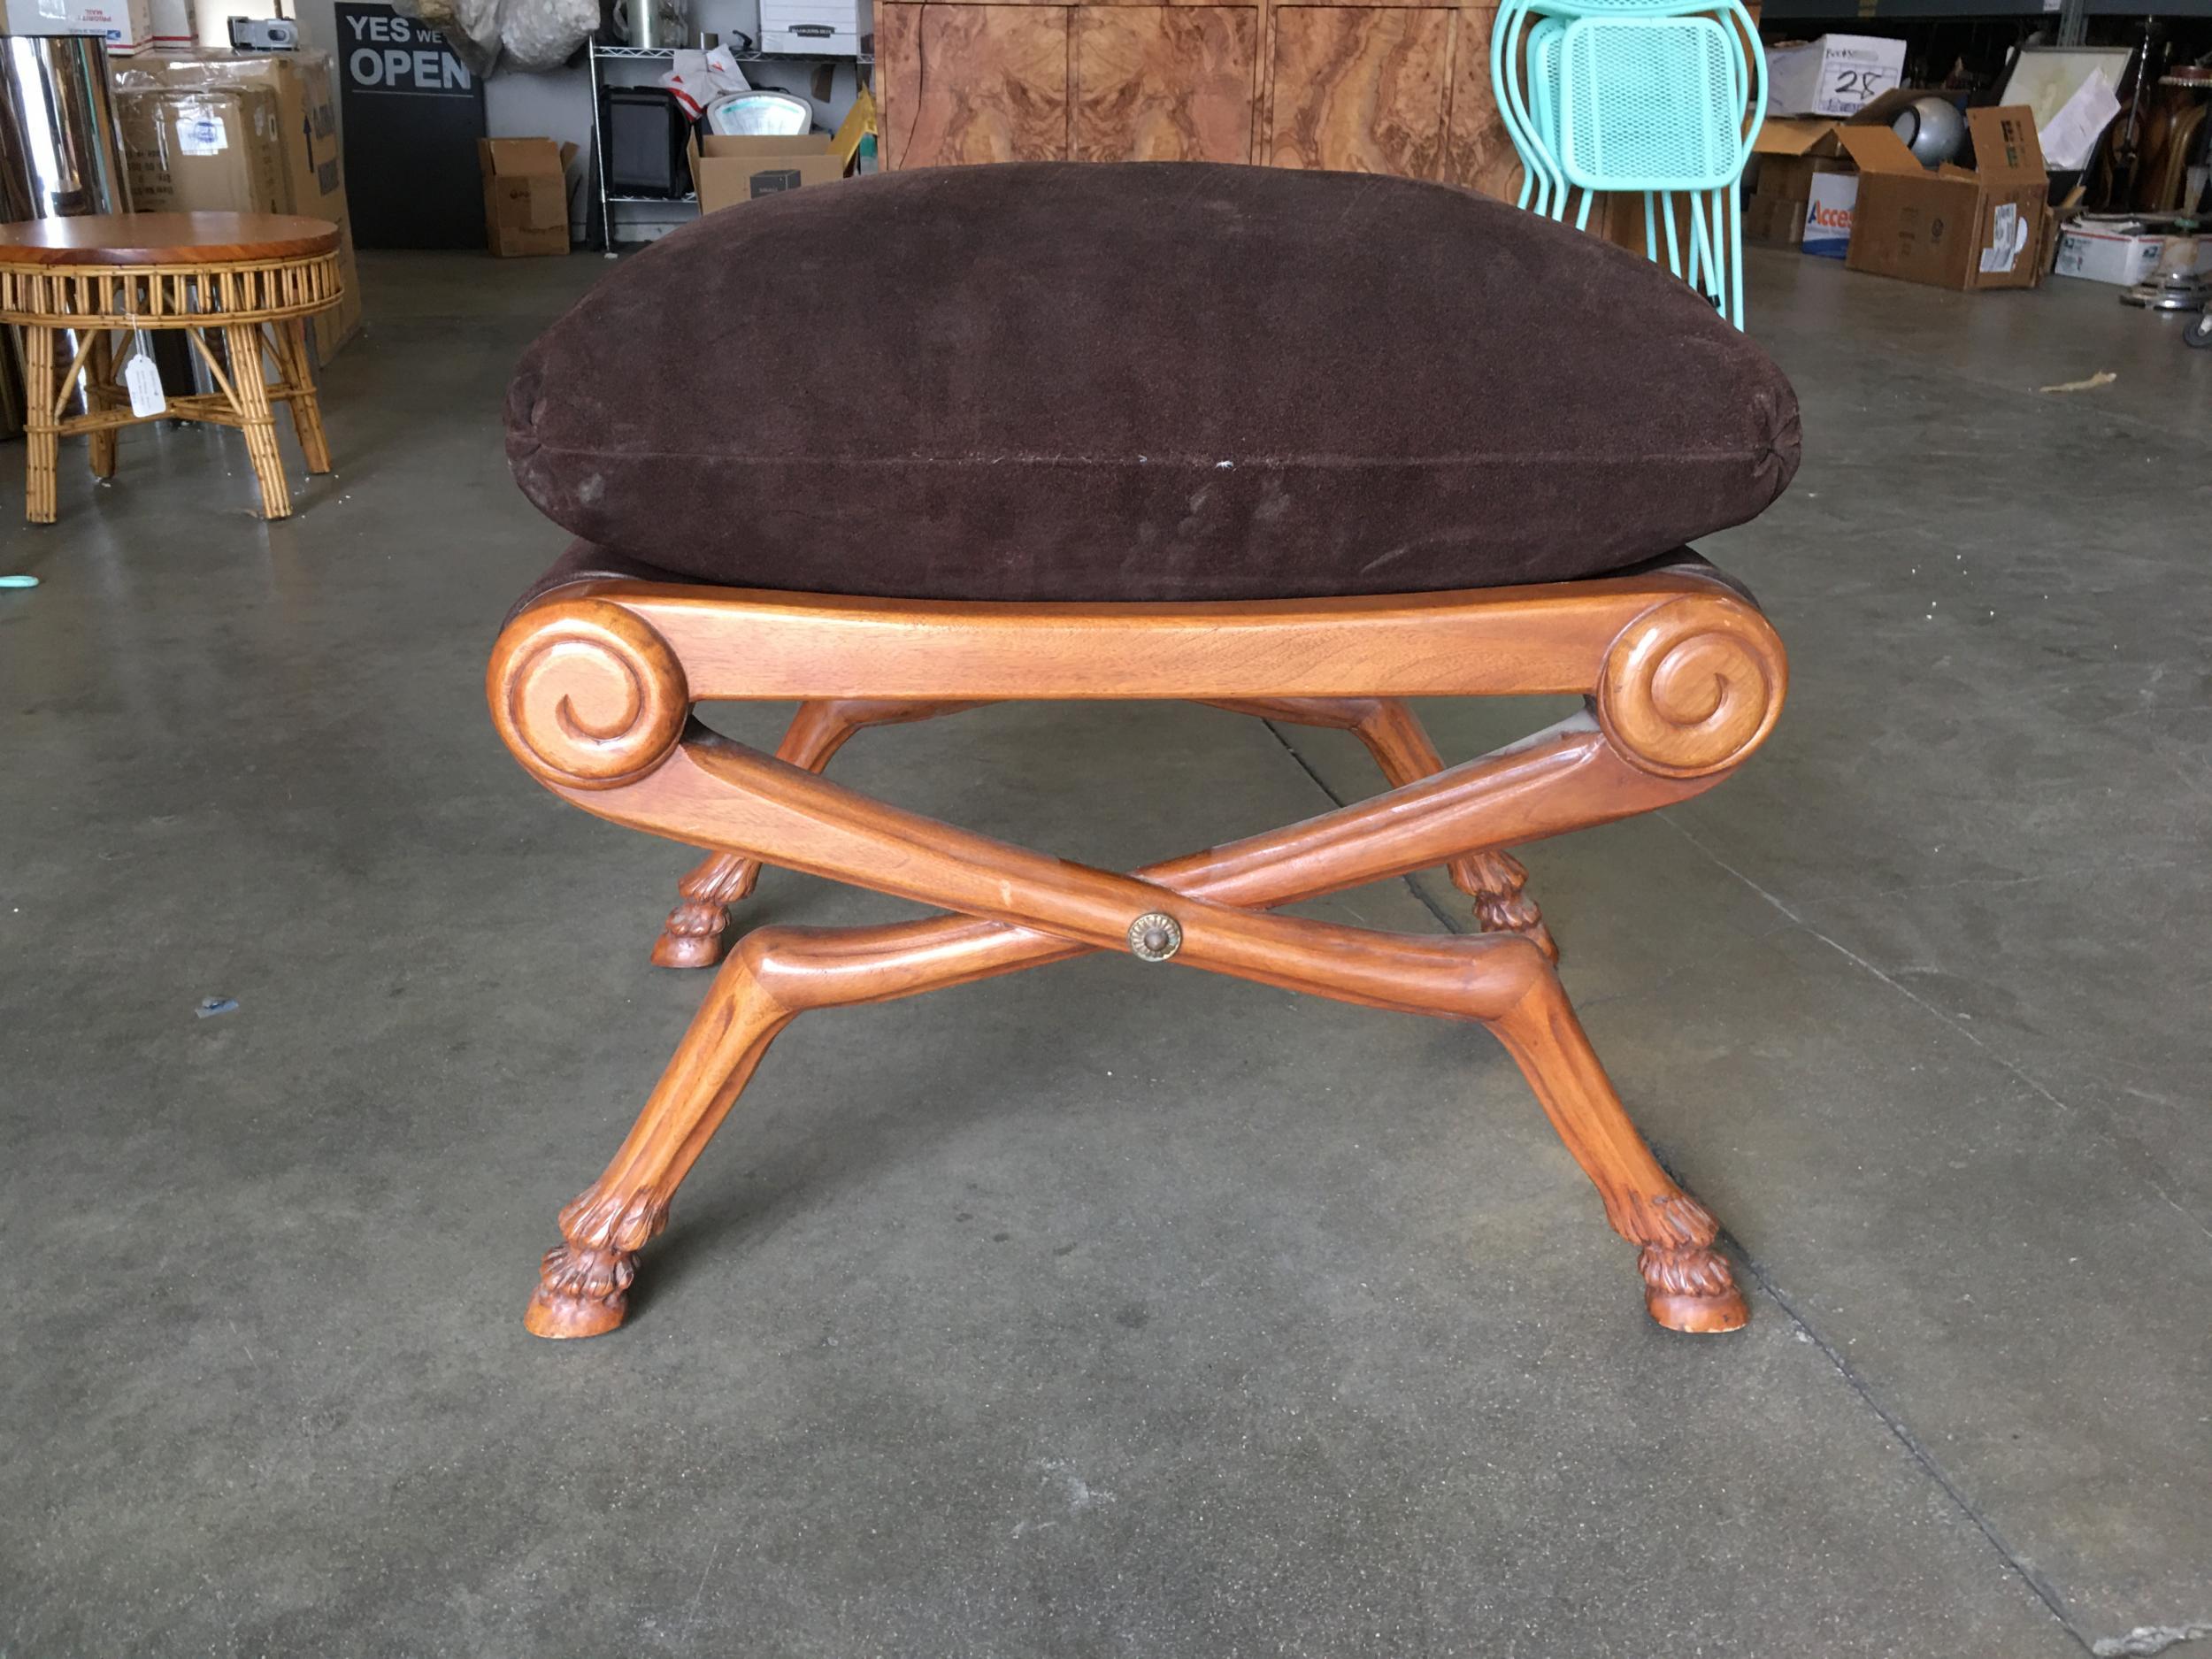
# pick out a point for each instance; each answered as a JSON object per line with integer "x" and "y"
{"x": 251, "y": 277}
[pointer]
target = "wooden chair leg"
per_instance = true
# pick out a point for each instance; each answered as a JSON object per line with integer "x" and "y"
{"x": 41, "y": 440}
{"x": 584, "y": 1282}
{"x": 1687, "y": 1284}
{"x": 691, "y": 935}
{"x": 777, "y": 973}
{"x": 296, "y": 365}
{"x": 1395, "y": 736}
{"x": 591, "y": 696}
{"x": 99, "y": 383}
{"x": 1495, "y": 879}
{"x": 250, "y": 395}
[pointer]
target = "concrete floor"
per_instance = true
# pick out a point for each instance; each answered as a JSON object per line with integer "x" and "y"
{"x": 1097, "y": 1310}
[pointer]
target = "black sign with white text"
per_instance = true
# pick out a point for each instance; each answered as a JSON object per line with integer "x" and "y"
{"x": 413, "y": 113}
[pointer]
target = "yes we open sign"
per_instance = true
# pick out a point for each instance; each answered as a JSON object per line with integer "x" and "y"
{"x": 413, "y": 113}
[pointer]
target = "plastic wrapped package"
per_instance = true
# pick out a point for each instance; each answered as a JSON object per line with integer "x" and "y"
{"x": 541, "y": 35}
{"x": 489, "y": 36}
{"x": 254, "y": 133}
{"x": 470, "y": 28}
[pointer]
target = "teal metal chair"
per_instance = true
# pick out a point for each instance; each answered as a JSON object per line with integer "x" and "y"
{"x": 1659, "y": 97}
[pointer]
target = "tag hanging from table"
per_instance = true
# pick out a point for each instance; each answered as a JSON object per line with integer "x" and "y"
{"x": 143, "y": 379}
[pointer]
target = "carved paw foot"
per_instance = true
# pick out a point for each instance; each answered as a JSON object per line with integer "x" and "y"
{"x": 1498, "y": 883}
{"x": 1688, "y": 1285}
{"x": 581, "y": 1291}
{"x": 691, "y": 935}
{"x": 1691, "y": 1288}
{"x": 584, "y": 1282}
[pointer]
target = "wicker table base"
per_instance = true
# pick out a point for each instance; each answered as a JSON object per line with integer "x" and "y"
{"x": 251, "y": 281}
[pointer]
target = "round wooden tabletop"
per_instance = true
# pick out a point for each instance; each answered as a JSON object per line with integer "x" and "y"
{"x": 171, "y": 239}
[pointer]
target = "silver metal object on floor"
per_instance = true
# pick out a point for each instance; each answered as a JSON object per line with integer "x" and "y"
{"x": 60, "y": 152}
{"x": 2180, "y": 291}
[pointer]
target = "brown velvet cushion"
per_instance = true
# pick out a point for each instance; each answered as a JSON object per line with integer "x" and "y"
{"x": 1146, "y": 382}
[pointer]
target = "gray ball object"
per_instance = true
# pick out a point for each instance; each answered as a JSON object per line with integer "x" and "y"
{"x": 1932, "y": 129}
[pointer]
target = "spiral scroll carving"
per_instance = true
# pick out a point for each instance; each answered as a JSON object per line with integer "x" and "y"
{"x": 1691, "y": 685}
{"x": 585, "y": 694}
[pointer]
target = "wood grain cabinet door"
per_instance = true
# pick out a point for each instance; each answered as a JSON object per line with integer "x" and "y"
{"x": 1479, "y": 153}
{"x": 1360, "y": 88}
{"x": 1165, "y": 83}
{"x": 971, "y": 83}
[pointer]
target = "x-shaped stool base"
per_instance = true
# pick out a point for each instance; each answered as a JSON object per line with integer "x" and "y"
{"x": 691, "y": 935}
{"x": 592, "y": 687}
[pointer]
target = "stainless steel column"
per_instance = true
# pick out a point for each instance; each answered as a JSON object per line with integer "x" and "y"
{"x": 60, "y": 152}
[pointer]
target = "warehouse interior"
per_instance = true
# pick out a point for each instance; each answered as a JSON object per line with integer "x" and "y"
{"x": 1108, "y": 1308}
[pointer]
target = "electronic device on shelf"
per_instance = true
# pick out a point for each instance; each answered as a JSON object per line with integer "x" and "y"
{"x": 263, "y": 35}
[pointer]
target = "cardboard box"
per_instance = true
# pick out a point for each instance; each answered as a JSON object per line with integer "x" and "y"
{"x": 1974, "y": 229}
{"x": 1773, "y": 221}
{"x": 525, "y": 196}
{"x": 201, "y": 149}
{"x": 729, "y": 170}
{"x": 265, "y": 126}
{"x": 1828, "y": 214}
{"x": 1837, "y": 74}
{"x": 1787, "y": 152}
{"x": 2121, "y": 251}
{"x": 830, "y": 27}
{"x": 1813, "y": 160}
{"x": 173, "y": 25}
{"x": 126, "y": 26}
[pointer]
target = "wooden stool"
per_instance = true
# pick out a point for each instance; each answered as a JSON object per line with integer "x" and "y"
{"x": 592, "y": 685}
{"x": 252, "y": 279}
{"x": 1300, "y": 445}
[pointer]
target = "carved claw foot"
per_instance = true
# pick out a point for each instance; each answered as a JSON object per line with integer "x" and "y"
{"x": 691, "y": 935}
{"x": 1498, "y": 882}
{"x": 581, "y": 1292}
{"x": 1688, "y": 1285}
{"x": 584, "y": 1281}
{"x": 1690, "y": 1288}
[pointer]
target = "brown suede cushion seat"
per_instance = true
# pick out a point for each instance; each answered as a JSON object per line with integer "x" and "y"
{"x": 1143, "y": 381}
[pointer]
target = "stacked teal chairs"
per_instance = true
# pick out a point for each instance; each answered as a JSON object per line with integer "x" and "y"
{"x": 1657, "y": 97}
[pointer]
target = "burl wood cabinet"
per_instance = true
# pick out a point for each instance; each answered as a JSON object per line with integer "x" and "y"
{"x": 1369, "y": 89}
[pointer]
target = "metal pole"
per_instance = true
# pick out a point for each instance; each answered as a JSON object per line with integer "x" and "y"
{"x": 599, "y": 159}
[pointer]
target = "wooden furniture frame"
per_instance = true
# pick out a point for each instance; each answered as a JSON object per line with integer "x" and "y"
{"x": 592, "y": 687}
{"x": 691, "y": 935}
{"x": 254, "y": 296}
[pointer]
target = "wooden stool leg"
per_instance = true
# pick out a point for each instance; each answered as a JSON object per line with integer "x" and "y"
{"x": 1395, "y": 736}
{"x": 584, "y": 1282}
{"x": 691, "y": 935}
{"x": 1688, "y": 1285}
{"x": 250, "y": 395}
{"x": 99, "y": 381}
{"x": 41, "y": 440}
{"x": 296, "y": 362}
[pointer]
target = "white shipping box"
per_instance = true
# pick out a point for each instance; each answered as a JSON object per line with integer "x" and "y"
{"x": 2122, "y": 254}
{"x": 1833, "y": 75}
{"x": 126, "y": 26}
{"x": 1828, "y": 214}
{"x": 828, "y": 27}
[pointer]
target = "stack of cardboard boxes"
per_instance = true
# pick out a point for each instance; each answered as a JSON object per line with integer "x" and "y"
{"x": 1848, "y": 188}
{"x": 256, "y": 134}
